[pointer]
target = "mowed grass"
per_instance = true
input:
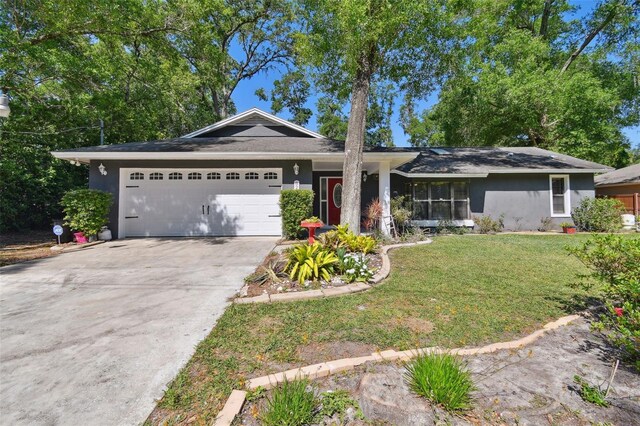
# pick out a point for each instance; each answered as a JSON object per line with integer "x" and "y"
{"x": 458, "y": 291}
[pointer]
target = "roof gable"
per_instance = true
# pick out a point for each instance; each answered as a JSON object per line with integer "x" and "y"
{"x": 253, "y": 122}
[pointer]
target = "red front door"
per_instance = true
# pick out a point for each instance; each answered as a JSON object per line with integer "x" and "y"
{"x": 334, "y": 195}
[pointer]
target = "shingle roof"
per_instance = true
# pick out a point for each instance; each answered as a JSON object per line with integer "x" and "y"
{"x": 493, "y": 160}
{"x": 224, "y": 144}
{"x": 629, "y": 174}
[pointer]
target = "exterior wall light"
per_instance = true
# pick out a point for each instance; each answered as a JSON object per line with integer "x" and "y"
{"x": 365, "y": 175}
{"x": 103, "y": 169}
{"x": 296, "y": 169}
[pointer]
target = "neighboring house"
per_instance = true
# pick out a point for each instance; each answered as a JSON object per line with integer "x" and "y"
{"x": 225, "y": 179}
{"x": 622, "y": 184}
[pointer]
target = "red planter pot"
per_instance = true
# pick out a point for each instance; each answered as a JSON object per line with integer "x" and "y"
{"x": 80, "y": 238}
{"x": 569, "y": 229}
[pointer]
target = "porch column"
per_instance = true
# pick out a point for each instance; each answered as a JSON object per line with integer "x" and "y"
{"x": 384, "y": 193}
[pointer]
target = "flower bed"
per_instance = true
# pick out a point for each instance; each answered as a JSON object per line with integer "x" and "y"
{"x": 339, "y": 257}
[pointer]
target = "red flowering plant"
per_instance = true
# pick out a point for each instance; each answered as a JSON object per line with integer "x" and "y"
{"x": 614, "y": 262}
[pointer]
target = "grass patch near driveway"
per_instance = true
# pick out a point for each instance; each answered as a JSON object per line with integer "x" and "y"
{"x": 458, "y": 291}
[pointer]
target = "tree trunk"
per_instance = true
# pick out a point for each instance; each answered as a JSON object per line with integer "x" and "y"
{"x": 352, "y": 166}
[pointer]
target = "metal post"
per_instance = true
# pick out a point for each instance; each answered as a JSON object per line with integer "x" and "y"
{"x": 101, "y": 132}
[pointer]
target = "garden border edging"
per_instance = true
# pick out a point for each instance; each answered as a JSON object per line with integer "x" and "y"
{"x": 380, "y": 275}
{"x": 236, "y": 400}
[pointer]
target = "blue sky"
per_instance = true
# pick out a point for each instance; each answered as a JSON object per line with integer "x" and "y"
{"x": 245, "y": 98}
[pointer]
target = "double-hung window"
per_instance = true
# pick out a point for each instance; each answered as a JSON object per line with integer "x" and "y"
{"x": 559, "y": 191}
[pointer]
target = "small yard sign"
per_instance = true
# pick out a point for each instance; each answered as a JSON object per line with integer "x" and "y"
{"x": 57, "y": 230}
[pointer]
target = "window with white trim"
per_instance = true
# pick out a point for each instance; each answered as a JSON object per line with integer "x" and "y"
{"x": 175, "y": 176}
{"x": 559, "y": 191}
{"x": 156, "y": 176}
{"x": 194, "y": 176}
{"x": 136, "y": 176}
{"x": 213, "y": 176}
{"x": 270, "y": 176}
{"x": 251, "y": 176}
{"x": 233, "y": 176}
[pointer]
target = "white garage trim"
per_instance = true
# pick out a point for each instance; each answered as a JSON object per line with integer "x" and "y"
{"x": 244, "y": 201}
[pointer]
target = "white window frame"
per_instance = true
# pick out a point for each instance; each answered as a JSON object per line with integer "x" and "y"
{"x": 567, "y": 196}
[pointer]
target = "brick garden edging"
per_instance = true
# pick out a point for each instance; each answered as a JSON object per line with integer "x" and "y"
{"x": 380, "y": 275}
{"x": 234, "y": 404}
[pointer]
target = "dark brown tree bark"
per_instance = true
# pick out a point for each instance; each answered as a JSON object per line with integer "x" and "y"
{"x": 356, "y": 129}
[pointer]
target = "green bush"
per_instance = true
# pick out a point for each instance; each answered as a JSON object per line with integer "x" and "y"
{"x": 486, "y": 224}
{"x": 290, "y": 404}
{"x": 86, "y": 210}
{"x": 442, "y": 379}
{"x": 343, "y": 237}
{"x": 295, "y": 206}
{"x": 308, "y": 262}
{"x": 598, "y": 215}
{"x": 615, "y": 264}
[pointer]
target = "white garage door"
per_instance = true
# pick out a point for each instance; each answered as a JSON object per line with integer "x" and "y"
{"x": 192, "y": 202}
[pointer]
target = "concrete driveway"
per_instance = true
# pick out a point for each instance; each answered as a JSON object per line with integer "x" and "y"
{"x": 93, "y": 337}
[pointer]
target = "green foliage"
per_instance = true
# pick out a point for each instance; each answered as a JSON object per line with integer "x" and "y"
{"x": 343, "y": 237}
{"x": 598, "y": 215}
{"x": 149, "y": 70}
{"x": 614, "y": 262}
{"x": 86, "y": 210}
{"x": 487, "y": 225}
{"x": 312, "y": 219}
{"x": 401, "y": 210}
{"x": 511, "y": 85}
{"x": 337, "y": 402}
{"x": 311, "y": 262}
{"x": 295, "y": 206}
{"x": 272, "y": 270}
{"x": 353, "y": 266}
{"x": 290, "y": 404}
{"x": 590, "y": 393}
{"x": 442, "y": 379}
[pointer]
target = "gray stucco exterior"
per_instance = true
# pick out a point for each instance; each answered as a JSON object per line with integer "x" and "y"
{"x": 111, "y": 182}
{"x": 523, "y": 199}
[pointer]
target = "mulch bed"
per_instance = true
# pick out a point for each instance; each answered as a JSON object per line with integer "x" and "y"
{"x": 18, "y": 247}
{"x": 286, "y": 285}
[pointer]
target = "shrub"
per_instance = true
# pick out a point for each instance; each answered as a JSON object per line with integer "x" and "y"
{"x": 590, "y": 393}
{"x": 401, "y": 211}
{"x": 295, "y": 206}
{"x": 615, "y": 265}
{"x": 486, "y": 224}
{"x": 354, "y": 266}
{"x": 343, "y": 237}
{"x": 271, "y": 270}
{"x": 442, "y": 379}
{"x": 373, "y": 213}
{"x": 598, "y": 215}
{"x": 86, "y": 210}
{"x": 290, "y": 404}
{"x": 546, "y": 223}
{"x": 311, "y": 262}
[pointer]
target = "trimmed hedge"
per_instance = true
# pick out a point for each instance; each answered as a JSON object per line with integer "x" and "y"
{"x": 295, "y": 205}
{"x": 86, "y": 210}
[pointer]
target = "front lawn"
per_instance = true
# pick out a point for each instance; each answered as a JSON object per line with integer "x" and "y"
{"x": 458, "y": 291}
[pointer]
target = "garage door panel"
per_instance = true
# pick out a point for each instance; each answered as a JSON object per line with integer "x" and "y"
{"x": 192, "y": 207}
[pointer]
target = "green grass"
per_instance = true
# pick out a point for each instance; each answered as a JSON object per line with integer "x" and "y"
{"x": 458, "y": 291}
{"x": 443, "y": 379}
{"x": 290, "y": 404}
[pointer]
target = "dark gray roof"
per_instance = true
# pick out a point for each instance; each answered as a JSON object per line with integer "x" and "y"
{"x": 488, "y": 160}
{"x": 629, "y": 174}
{"x": 224, "y": 144}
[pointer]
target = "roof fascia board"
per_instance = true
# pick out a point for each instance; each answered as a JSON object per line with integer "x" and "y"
{"x": 239, "y": 117}
{"x": 606, "y": 185}
{"x": 545, "y": 171}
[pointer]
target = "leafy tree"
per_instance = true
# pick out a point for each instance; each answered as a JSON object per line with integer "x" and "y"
{"x": 350, "y": 45}
{"x": 533, "y": 78}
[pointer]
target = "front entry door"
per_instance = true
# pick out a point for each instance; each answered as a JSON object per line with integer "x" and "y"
{"x": 334, "y": 187}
